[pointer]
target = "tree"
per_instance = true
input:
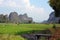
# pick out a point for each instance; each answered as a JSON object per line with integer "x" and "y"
{"x": 55, "y": 4}
{"x": 3, "y": 18}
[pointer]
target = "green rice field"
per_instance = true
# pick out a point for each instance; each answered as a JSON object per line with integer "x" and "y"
{"x": 14, "y": 28}
{"x": 8, "y": 30}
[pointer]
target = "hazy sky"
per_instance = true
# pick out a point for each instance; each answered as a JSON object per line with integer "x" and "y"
{"x": 39, "y": 10}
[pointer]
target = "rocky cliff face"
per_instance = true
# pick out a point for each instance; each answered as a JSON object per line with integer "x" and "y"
{"x": 53, "y": 19}
{"x": 15, "y": 18}
{"x": 25, "y": 19}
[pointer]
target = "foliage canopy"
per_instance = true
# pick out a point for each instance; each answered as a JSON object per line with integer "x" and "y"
{"x": 55, "y": 4}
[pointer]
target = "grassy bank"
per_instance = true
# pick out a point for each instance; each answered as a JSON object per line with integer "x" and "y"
{"x": 11, "y": 37}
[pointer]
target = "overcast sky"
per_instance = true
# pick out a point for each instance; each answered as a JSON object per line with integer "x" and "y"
{"x": 39, "y": 10}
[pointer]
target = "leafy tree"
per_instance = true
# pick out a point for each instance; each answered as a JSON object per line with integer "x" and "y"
{"x": 55, "y": 4}
{"x": 3, "y": 18}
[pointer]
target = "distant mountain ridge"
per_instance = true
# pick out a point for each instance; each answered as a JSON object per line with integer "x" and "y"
{"x": 52, "y": 19}
{"x": 15, "y": 18}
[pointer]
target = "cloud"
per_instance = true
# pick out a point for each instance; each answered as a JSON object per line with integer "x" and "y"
{"x": 27, "y": 2}
{"x": 23, "y": 4}
{"x": 1, "y": 1}
{"x": 9, "y": 3}
{"x": 39, "y": 14}
{"x": 12, "y": 4}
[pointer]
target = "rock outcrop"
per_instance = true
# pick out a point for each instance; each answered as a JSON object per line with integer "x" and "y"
{"x": 25, "y": 19}
{"x": 53, "y": 19}
{"x": 15, "y": 18}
